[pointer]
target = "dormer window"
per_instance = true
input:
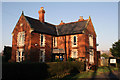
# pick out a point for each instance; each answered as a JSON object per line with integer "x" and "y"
{"x": 42, "y": 40}
{"x": 74, "y": 40}
{"x": 21, "y": 39}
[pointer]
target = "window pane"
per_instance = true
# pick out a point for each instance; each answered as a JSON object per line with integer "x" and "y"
{"x": 74, "y": 54}
{"x": 22, "y": 53}
{"x": 41, "y": 39}
{"x": 18, "y": 53}
{"x": 19, "y": 58}
{"x": 41, "y": 54}
{"x": 54, "y": 41}
{"x": 74, "y": 40}
{"x": 22, "y": 58}
{"x": 21, "y": 39}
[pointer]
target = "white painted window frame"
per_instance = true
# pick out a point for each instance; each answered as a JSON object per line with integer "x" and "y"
{"x": 91, "y": 57}
{"x": 21, "y": 39}
{"x": 55, "y": 44}
{"x": 43, "y": 56}
{"x": 17, "y": 55}
{"x": 72, "y": 53}
{"x": 43, "y": 40}
{"x": 72, "y": 40}
{"x": 90, "y": 40}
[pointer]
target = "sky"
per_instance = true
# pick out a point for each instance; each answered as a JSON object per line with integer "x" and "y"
{"x": 104, "y": 16}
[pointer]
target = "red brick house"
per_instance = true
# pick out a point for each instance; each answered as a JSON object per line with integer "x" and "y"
{"x": 39, "y": 41}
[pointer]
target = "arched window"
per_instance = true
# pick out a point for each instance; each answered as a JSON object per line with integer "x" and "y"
{"x": 74, "y": 40}
{"x": 42, "y": 40}
{"x": 21, "y": 39}
{"x": 54, "y": 41}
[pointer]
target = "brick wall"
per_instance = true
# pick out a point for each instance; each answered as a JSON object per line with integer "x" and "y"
{"x": 35, "y": 47}
{"x": 25, "y": 27}
{"x": 32, "y": 43}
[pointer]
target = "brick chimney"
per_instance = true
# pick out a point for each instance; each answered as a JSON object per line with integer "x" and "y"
{"x": 41, "y": 14}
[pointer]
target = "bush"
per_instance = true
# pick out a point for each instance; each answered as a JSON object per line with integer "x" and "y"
{"x": 57, "y": 60}
{"x": 60, "y": 68}
{"x": 26, "y": 70}
{"x": 40, "y": 70}
{"x": 71, "y": 59}
{"x": 93, "y": 67}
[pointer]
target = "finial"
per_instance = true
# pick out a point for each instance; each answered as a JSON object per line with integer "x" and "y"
{"x": 89, "y": 17}
{"x": 22, "y": 12}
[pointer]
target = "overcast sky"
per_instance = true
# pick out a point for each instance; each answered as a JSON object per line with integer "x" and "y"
{"x": 104, "y": 16}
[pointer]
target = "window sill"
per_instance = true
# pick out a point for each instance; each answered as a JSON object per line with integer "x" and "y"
{"x": 74, "y": 45}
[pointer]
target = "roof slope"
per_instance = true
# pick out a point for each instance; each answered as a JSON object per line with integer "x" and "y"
{"x": 41, "y": 27}
{"x": 65, "y": 29}
{"x": 71, "y": 28}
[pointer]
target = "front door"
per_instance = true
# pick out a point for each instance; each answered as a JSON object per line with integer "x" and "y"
{"x": 42, "y": 55}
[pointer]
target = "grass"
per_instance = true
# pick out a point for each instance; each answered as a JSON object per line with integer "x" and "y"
{"x": 84, "y": 74}
{"x": 90, "y": 73}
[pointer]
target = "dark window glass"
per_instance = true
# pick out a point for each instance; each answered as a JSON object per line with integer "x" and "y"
{"x": 18, "y": 53}
{"x": 41, "y": 39}
{"x": 19, "y": 58}
{"x": 22, "y": 59}
{"x": 54, "y": 41}
{"x": 41, "y": 54}
{"x": 74, "y": 40}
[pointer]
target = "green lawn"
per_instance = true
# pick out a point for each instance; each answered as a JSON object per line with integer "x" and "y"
{"x": 99, "y": 71}
{"x": 90, "y": 73}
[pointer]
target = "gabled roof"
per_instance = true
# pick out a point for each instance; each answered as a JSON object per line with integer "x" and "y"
{"x": 57, "y": 30}
{"x": 41, "y": 27}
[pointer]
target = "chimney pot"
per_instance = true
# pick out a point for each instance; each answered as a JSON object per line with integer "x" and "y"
{"x": 61, "y": 22}
{"x": 81, "y": 18}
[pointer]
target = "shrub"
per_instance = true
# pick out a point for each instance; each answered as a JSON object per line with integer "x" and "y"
{"x": 60, "y": 68}
{"x": 10, "y": 61}
{"x": 71, "y": 59}
{"x": 93, "y": 67}
{"x": 40, "y": 70}
{"x": 57, "y": 60}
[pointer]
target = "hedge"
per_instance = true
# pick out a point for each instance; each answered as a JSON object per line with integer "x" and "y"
{"x": 39, "y": 70}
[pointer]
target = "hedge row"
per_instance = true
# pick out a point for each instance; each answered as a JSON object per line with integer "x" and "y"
{"x": 39, "y": 70}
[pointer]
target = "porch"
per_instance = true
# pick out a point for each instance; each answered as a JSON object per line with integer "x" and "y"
{"x": 58, "y": 54}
